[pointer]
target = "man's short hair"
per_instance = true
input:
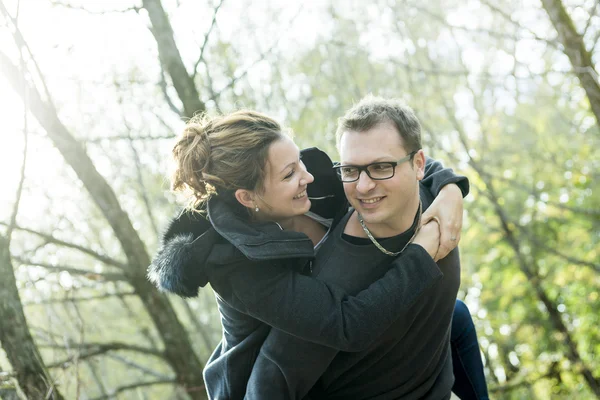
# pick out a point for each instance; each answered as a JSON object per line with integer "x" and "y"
{"x": 372, "y": 111}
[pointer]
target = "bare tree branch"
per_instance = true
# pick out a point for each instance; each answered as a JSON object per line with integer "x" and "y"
{"x": 199, "y": 327}
{"x": 233, "y": 81}
{"x": 574, "y": 48}
{"x": 260, "y": 58}
{"x": 592, "y": 14}
{"x": 69, "y": 299}
{"x": 87, "y": 350}
{"x": 587, "y": 212}
{"x": 87, "y": 10}
{"x": 95, "y": 276}
{"x": 141, "y": 328}
{"x": 550, "y": 249}
{"x": 125, "y": 388}
{"x": 462, "y": 72}
{"x": 206, "y": 37}
{"x": 21, "y": 43}
{"x": 211, "y": 90}
{"x": 500, "y": 35}
{"x": 171, "y": 58}
{"x": 510, "y": 386}
{"x": 162, "y": 83}
{"x": 140, "y": 179}
{"x": 128, "y": 137}
{"x": 97, "y": 377}
{"x": 51, "y": 239}
{"x": 506, "y": 16}
{"x": 134, "y": 365}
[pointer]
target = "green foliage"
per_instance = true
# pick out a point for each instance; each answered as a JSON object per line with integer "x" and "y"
{"x": 497, "y": 102}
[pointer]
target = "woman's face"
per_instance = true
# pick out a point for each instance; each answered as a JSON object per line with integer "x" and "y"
{"x": 284, "y": 190}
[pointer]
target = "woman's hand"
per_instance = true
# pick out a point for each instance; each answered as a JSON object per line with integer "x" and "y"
{"x": 429, "y": 238}
{"x": 448, "y": 208}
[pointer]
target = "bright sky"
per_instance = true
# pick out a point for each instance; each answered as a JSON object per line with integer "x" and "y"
{"x": 72, "y": 45}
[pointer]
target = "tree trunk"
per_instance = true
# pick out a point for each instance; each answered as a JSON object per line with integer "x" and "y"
{"x": 30, "y": 372}
{"x": 179, "y": 352}
{"x": 574, "y": 48}
{"x": 171, "y": 58}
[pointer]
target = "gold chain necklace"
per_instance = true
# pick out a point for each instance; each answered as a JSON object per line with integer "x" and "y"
{"x": 380, "y": 247}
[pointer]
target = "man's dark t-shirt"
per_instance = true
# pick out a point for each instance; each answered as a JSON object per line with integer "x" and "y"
{"x": 411, "y": 360}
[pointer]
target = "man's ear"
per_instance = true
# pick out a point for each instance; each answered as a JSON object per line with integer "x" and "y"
{"x": 246, "y": 198}
{"x": 419, "y": 164}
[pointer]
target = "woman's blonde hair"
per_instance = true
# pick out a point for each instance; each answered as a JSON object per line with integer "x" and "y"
{"x": 219, "y": 153}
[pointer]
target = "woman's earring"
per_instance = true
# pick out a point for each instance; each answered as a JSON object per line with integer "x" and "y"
{"x": 255, "y": 208}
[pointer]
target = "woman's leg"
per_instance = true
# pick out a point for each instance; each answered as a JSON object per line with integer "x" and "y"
{"x": 469, "y": 379}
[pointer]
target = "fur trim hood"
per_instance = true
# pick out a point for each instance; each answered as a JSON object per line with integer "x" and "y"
{"x": 178, "y": 266}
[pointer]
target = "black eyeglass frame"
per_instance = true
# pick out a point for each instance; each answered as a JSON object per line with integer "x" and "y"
{"x": 361, "y": 168}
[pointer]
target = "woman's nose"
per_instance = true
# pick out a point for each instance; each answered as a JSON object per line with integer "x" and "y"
{"x": 307, "y": 178}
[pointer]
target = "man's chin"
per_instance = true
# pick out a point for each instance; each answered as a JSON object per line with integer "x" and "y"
{"x": 371, "y": 216}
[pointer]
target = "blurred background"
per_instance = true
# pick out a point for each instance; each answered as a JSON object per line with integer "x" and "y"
{"x": 92, "y": 93}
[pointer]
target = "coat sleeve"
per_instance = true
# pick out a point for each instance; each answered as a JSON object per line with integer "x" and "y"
{"x": 322, "y": 312}
{"x": 287, "y": 367}
{"x": 436, "y": 177}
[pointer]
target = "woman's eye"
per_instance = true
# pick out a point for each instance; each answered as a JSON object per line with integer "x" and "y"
{"x": 288, "y": 176}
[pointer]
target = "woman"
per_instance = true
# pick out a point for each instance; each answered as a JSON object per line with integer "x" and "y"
{"x": 258, "y": 247}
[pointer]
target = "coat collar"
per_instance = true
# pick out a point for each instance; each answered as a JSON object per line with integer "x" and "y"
{"x": 256, "y": 240}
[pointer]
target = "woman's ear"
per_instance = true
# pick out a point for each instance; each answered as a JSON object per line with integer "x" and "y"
{"x": 246, "y": 198}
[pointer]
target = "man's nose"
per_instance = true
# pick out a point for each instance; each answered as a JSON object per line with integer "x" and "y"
{"x": 364, "y": 183}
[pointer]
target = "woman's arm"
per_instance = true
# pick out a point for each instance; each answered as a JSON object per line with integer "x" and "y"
{"x": 448, "y": 189}
{"x": 322, "y": 312}
{"x": 437, "y": 177}
{"x": 287, "y": 367}
{"x": 447, "y": 208}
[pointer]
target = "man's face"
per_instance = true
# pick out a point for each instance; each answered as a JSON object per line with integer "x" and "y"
{"x": 386, "y": 205}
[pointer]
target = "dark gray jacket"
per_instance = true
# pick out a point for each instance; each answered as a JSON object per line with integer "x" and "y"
{"x": 258, "y": 273}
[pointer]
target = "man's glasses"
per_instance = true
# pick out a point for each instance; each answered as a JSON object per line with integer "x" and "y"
{"x": 377, "y": 171}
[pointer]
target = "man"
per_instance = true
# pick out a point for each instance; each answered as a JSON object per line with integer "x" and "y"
{"x": 381, "y": 165}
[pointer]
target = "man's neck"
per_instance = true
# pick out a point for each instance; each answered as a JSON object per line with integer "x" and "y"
{"x": 393, "y": 227}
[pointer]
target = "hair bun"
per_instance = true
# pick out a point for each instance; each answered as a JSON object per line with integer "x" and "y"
{"x": 220, "y": 153}
{"x": 192, "y": 156}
